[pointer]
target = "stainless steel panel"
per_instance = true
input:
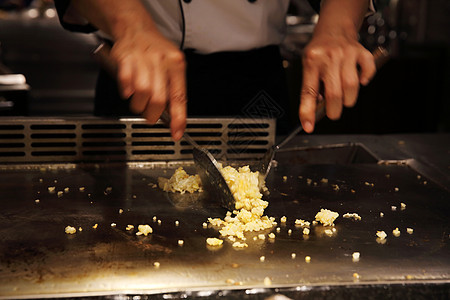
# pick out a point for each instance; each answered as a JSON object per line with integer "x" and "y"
{"x": 25, "y": 140}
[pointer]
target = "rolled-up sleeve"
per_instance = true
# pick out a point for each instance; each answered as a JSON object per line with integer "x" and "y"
{"x": 70, "y": 19}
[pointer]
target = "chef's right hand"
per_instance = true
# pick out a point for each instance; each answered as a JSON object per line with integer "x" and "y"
{"x": 151, "y": 70}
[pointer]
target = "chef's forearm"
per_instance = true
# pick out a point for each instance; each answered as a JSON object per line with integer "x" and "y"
{"x": 117, "y": 18}
{"x": 341, "y": 17}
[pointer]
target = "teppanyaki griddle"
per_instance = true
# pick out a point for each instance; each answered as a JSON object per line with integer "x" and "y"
{"x": 38, "y": 259}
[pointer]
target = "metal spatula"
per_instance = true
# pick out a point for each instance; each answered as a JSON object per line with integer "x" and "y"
{"x": 263, "y": 166}
{"x": 212, "y": 179}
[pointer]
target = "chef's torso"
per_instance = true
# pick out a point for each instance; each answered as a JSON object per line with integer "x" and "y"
{"x": 220, "y": 25}
{"x": 208, "y": 26}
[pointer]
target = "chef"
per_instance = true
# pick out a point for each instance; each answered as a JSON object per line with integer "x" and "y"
{"x": 220, "y": 54}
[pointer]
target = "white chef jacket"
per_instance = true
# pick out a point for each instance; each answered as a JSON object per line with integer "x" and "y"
{"x": 221, "y": 25}
{"x": 208, "y": 26}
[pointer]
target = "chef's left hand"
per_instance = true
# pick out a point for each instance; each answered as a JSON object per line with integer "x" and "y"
{"x": 333, "y": 60}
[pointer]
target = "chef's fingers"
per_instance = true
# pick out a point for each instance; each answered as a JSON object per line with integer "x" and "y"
{"x": 125, "y": 77}
{"x": 158, "y": 99}
{"x": 331, "y": 78}
{"x": 142, "y": 85}
{"x": 308, "y": 95}
{"x": 366, "y": 62}
{"x": 177, "y": 95}
{"x": 350, "y": 81}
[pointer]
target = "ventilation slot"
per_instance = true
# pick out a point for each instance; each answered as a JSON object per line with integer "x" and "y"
{"x": 248, "y": 133}
{"x": 11, "y": 127}
{"x": 103, "y": 126}
{"x": 53, "y": 135}
{"x": 113, "y": 135}
{"x": 148, "y": 126}
{"x": 151, "y": 134}
{"x": 205, "y": 134}
{"x": 104, "y": 144}
{"x": 153, "y": 152}
{"x": 203, "y": 143}
{"x": 205, "y": 125}
{"x": 12, "y": 154}
{"x": 53, "y": 153}
{"x": 53, "y": 127}
{"x": 104, "y": 152}
{"x": 53, "y": 145}
{"x": 153, "y": 143}
{"x": 12, "y": 145}
{"x": 248, "y": 142}
{"x": 11, "y": 136}
{"x": 249, "y": 126}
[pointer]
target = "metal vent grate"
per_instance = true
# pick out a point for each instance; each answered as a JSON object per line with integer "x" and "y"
{"x": 95, "y": 139}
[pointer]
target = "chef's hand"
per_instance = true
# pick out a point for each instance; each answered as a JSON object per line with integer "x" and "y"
{"x": 332, "y": 58}
{"x": 333, "y": 62}
{"x": 151, "y": 70}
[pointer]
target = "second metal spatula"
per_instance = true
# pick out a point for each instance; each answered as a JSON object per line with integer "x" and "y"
{"x": 264, "y": 165}
{"x": 380, "y": 55}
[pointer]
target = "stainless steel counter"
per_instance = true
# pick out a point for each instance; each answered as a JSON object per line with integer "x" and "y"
{"x": 372, "y": 173}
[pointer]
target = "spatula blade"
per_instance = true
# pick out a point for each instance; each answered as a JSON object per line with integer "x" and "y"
{"x": 212, "y": 179}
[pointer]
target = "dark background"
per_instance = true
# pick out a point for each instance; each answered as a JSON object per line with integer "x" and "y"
{"x": 409, "y": 94}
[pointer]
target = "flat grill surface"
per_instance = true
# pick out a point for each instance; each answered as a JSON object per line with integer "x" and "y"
{"x": 37, "y": 258}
